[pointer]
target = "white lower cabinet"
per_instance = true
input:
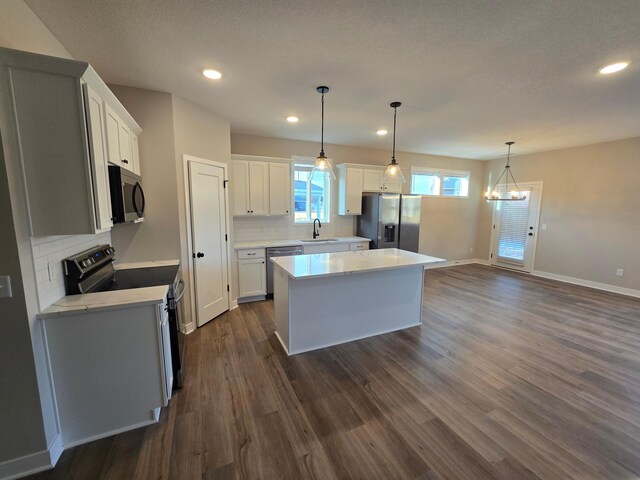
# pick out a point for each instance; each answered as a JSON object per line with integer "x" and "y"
{"x": 252, "y": 273}
{"x": 111, "y": 369}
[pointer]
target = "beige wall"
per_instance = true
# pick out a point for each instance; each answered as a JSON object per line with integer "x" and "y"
{"x": 198, "y": 133}
{"x": 591, "y": 206}
{"x": 158, "y": 237}
{"x": 449, "y": 224}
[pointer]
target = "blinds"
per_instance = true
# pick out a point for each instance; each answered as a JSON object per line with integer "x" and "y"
{"x": 512, "y": 236}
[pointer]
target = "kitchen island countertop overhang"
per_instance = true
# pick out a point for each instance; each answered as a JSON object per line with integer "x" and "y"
{"x": 327, "y": 299}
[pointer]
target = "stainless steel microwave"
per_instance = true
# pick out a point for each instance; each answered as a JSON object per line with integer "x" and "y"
{"x": 127, "y": 195}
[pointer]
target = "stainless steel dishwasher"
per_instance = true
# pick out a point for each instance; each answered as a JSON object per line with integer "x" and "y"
{"x": 279, "y": 252}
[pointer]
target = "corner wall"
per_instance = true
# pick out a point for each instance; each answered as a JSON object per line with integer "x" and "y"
{"x": 591, "y": 207}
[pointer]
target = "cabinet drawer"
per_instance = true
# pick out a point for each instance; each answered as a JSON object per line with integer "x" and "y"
{"x": 359, "y": 246}
{"x": 252, "y": 253}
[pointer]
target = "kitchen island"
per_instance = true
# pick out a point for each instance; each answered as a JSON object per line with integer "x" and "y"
{"x": 326, "y": 299}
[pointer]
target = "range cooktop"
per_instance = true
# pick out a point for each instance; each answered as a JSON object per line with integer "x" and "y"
{"x": 138, "y": 278}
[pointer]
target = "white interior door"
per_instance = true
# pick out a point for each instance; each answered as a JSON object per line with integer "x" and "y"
{"x": 515, "y": 230}
{"x": 208, "y": 232}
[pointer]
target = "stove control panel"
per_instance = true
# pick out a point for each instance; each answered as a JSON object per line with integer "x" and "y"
{"x": 84, "y": 264}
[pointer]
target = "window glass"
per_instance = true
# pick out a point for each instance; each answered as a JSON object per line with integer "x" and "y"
{"x": 311, "y": 194}
{"x": 425, "y": 183}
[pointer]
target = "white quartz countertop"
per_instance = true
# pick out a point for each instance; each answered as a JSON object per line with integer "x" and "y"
{"x": 73, "y": 304}
{"x": 342, "y": 263}
{"x": 286, "y": 243}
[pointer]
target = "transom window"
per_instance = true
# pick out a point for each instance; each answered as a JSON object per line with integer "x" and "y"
{"x": 442, "y": 183}
{"x": 311, "y": 194}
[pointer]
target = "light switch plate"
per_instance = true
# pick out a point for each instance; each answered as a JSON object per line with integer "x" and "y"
{"x": 5, "y": 286}
{"x": 544, "y": 226}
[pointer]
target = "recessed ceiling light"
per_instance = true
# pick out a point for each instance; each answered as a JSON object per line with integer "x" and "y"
{"x": 292, "y": 119}
{"x": 212, "y": 74}
{"x": 382, "y": 131}
{"x": 614, "y": 67}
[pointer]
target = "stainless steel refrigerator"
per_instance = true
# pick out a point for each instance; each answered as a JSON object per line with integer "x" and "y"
{"x": 390, "y": 220}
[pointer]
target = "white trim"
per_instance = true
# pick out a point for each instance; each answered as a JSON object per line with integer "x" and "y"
{"x": 630, "y": 292}
{"x": 187, "y": 197}
{"x": 189, "y": 328}
{"x": 116, "y": 431}
{"x": 588, "y": 283}
{"x": 32, "y": 463}
{"x": 254, "y": 298}
{"x": 234, "y": 304}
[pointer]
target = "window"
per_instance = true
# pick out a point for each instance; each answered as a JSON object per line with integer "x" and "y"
{"x": 443, "y": 183}
{"x": 310, "y": 194}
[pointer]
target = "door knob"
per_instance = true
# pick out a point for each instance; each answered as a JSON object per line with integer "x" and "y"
{"x": 200, "y": 255}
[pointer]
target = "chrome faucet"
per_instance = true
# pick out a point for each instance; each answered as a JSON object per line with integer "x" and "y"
{"x": 316, "y": 234}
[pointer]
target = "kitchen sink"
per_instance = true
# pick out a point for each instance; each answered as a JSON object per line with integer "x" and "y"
{"x": 320, "y": 240}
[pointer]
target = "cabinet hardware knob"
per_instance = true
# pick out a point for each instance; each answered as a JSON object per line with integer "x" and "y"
{"x": 248, "y": 211}
{"x": 125, "y": 161}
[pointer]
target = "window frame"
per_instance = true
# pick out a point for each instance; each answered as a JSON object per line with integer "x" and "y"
{"x": 310, "y": 162}
{"x": 440, "y": 173}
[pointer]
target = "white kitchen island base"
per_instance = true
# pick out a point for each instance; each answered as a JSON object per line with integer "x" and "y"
{"x": 329, "y": 299}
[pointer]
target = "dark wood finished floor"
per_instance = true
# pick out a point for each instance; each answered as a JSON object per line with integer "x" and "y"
{"x": 510, "y": 377}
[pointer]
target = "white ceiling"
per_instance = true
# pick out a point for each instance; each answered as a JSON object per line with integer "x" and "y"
{"x": 470, "y": 74}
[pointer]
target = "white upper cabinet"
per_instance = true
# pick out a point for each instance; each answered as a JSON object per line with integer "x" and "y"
{"x": 259, "y": 186}
{"x": 351, "y": 183}
{"x": 98, "y": 159}
{"x": 372, "y": 180}
{"x": 355, "y": 179}
{"x": 122, "y": 142}
{"x": 240, "y": 187}
{"x": 58, "y": 131}
{"x": 279, "y": 188}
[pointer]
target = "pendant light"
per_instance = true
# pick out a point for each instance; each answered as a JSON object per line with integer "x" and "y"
{"x": 513, "y": 195}
{"x": 393, "y": 172}
{"x": 322, "y": 162}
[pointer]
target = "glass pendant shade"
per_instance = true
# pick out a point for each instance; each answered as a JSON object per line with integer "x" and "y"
{"x": 393, "y": 173}
{"x": 323, "y": 165}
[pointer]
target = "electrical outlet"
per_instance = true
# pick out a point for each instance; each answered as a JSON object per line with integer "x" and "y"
{"x": 470, "y": 249}
{"x": 620, "y": 272}
{"x": 5, "y": 286}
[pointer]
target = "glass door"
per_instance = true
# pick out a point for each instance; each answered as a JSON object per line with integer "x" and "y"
{"x": 515, "y": 228}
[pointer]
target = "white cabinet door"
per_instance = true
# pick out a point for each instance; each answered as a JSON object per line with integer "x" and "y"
{"x": 112, "y": 124}
{"x": 352, "y": 192}
{"x": 394, "y": 186}
{"x": 98, "y": 158}
{"x": 135, "y": 154}
{"x": 252, "y": 277}
{"x": 240, "y": 187}
{"x": 372, "y": 180}
{"x": 279, "y": 188}
{"x": 124, "y": 135}
{"x": 259, "y": 188}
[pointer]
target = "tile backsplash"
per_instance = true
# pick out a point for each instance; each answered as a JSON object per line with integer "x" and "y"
{"x": 247, "y": 229}
{"x": 48, "y": 253}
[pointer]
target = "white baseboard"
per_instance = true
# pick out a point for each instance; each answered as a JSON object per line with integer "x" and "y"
{"x": 452, "y": 263}
{"x": 189, "y": 327}
{"x": 588, "y": 283}
{"x": 144, "y": 423}
{"x": 33, "y": 463}
{"x": 234, "y": 305}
